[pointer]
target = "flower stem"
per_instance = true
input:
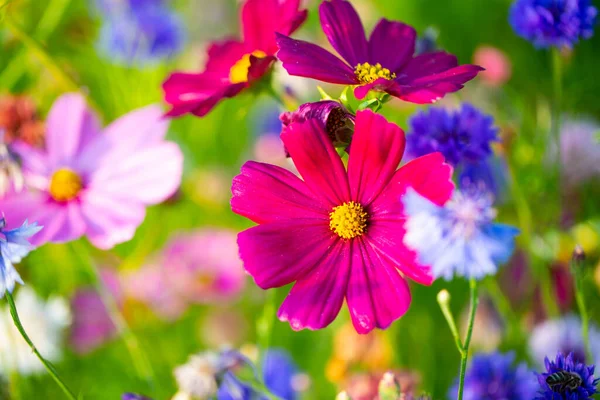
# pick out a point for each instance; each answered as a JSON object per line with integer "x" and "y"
{"x": 443, "y": 299}
{"x": 577, "y": 270}
{"x": 49, "y": 367}
{"x": 467, "y": 343}
{"x": 264, "y": 327}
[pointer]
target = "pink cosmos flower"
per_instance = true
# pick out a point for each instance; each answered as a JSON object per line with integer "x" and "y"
{"x": 234, "y": 65}
{"x": 498, "y": 68}
{"x": 202, "y": 267}
{"x": 92, "y": 182}
{"x": 338, "y": 234}
{"x": 385, "y": 62}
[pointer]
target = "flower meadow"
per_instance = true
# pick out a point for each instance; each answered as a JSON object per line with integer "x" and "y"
{"x": 299, "y": 199}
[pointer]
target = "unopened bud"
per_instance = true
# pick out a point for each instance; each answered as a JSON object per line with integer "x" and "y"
{"x": 443, "y": 297}
{"x": 389, "y": 388}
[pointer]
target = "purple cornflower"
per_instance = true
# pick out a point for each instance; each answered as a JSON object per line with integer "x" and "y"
{"x": 494, "y": 377}
{"x": 566, "y": 379}
{"x": 462, "y": 136}
{"x": 460, "y": 237}
{"x": 556, "y": 23}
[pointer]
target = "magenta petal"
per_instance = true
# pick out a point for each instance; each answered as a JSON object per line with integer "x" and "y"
{"x": 267, "y": 193}
{"x": 259, "y": 22}
{"x": 380, "y": 85}
{"x": 392, "y": 44}
{"x": 386, "y": 237}
{"x": 290, "y": 17}
{"x": 278, "y": 253}
{"x": 427, "y": 64}
{"x": 223, "y": 55}
{"x": 305, "y": 59}
{"x": 69, "y": 127}
{"x": 344, "y": 30}
{"x": 428, "y": 175}
{"x": 317, "y": 161}
{"x": 377, "y": 294}
{"x": 197, "y": 93}
{"x": 372, "y": 163}
{"x": 316, "y": 299}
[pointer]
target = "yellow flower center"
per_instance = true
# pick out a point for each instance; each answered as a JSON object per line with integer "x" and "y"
{"x": 348, "y": 220}
{"x": 367, "y": 73}
{"x": 239, "y": 72}
{"x": 65, "y": 185}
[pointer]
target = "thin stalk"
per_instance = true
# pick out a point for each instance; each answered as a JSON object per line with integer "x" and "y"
{"x": 443, "y": 299}
{"x": 577, "y": 270}
{"x": 140, "y": 361}
{"x": 264, "y": 328}
{"x": 49, "y": 367}
{"x": 467, "y": 343}
{"x": 557, "y": 86}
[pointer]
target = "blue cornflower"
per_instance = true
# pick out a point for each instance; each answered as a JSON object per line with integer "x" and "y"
{"x": 462, "y": 136}
{"x": 133, "y": 396}
{"x": 142, "y": 31}
{"x": 556, "y": 23}
{"x": 566, "y": 379}
{"x": 459, "y": 238}
{"x": 494, "y": 377}
{"x": 13, "y": 247}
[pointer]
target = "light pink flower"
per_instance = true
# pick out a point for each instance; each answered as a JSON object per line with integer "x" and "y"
{"x": 498, "y": 68}
{"x": 95, "y": 182}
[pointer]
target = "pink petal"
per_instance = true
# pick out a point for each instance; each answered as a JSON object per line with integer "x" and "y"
{"x": 317, "y": 161}
{"x": 344, "y": 30}
{"x": 377, "y": 294}
{"x": 69, "y": 127}
{"x": 290, "y": 17}
{"x": 150, "y": 175}
{"x": 267, "y": 193}
{"x": 392, "y": 44}
{"x": 308, "y": 60}
{"x": 223, "y": 55}
{"x": 279, "y": 253}
{"x": 259, "y": 22}
{"x": 427, "y": 64}
{"x": 380, "y": 85}
{"x": 110, "y": 220}
{"x": 386, "y": 238}
{"x": 33, "y": 160}
{"x": 376, "y": 151}
{"x": 316, "y": 299}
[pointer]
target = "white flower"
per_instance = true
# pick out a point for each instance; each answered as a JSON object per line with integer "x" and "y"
{"x": 196, "y": 378}
{"x": 44, "y": 322}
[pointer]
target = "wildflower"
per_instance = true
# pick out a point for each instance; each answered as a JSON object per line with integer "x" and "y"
{"x": 458, "y": 237}
{"x": 45, "y": 323}
{"x": 557, "y": 23}
{"x": 19, "y": 120}
{"x": 133, "y": 396}
{"x": 11, "y": 177}
{"x": 139, "y": 31}
{"x": 337, "y": 234}
{"x": 495, "y": 377}
{"x": 337, "y": 121}
{"x": 566, "y": 379}
{"x": 201, "y": 267}
{"x": 93, "y": 183}
{"x": 13, "y": 247}
{"x": 563, "y": 335}
{"x": 384, "y": 62}
{"x": 463, "y": 136}
{"x": 234, "y": 65}
{"x": 498, "y": 68}
{"x": 365, "y": 386}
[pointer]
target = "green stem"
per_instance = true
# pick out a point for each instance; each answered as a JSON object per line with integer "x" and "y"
{"x": 264, "y": 326}
{"x": 467, "y": 343}
{"x": 140, "y": 361}
{"x": 49, "y": 367}
{"x": 557, "y": 74}
{"x": 577, "y": 270}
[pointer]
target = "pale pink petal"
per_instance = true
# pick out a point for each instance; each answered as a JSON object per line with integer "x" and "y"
{"x": 316, "y": 299}
{"x": 110, "y": 220}
{"x": 278, "y": 253}
{"x": 377, "y": 294}
{"x": 33, "y": 161}
{"x": 69, "y": 127}
{"x": 149, "y": 175}
{"x": 317, "y": 161}
{"x": 267, "y": 193}
{"x": 376, "y": 151}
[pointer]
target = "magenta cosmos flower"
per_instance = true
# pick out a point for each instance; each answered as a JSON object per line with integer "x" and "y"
{"x": 385, "y": 62}
{"x": 92, "y": 182}
{"x": 337, "y": 234}
{"x": 233, "y": 65}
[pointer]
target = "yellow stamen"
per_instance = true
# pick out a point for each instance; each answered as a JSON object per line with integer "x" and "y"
{"x": 239, "y": 72}
{"x": 348, "y": 220}
{"x": 65, "y": 185}
{"x": 367, "y": 73}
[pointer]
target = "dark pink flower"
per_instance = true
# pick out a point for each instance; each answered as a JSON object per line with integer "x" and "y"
{"x": 337, "y": 234}
{"x": 384, "y": 62}
{"x": 233, "y": 65}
